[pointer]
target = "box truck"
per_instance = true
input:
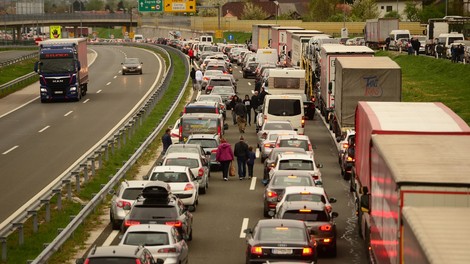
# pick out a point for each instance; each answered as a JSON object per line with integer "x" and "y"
{"x": 260, "y": 36}
{"x": 377, "y": 30}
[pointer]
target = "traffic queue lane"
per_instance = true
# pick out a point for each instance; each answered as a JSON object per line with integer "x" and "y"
{"x": 230, "y": 207}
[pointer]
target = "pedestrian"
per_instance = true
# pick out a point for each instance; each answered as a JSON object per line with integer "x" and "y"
{"x": 255, "y": 104}
{"x": 387, "y": 43}
{"x": 191, "y": 55}
{"x": 261, "y": 95}
{"x": 247, "y": 103}
{"x": 240, "y": 111}
{"x": 250, "y": 161}
{"x": 241, "y": 152}
{"x": 192, "y": 74}
{"x": 231, "y": 106}
{"x": 166, "y": 140}
{"x": 409, "y": 48}
{"x": 199, "y": 79}
{"x": 416, "y": 45}
{"x": 224, "y": 156}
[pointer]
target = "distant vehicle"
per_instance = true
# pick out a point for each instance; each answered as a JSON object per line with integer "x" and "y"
{"x": 269, "y": 161}
{"x": 131, "y": 65}
{"x": 138, "y": 38}
{"x": 210, "y": 143}
{"x": 201, "y": 124}
{"x": 250, "y": 69}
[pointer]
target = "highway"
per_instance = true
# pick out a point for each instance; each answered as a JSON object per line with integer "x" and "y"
{"x": 40, "y": 141}
{"x": 230, "y": 207}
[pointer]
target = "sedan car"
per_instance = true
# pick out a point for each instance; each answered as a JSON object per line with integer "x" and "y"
{"x": 208, "y": 74}
{"x": 186, "y": 148}
{"x": 278, "y": 240}
{"x": 163, "y": 241}
{"x": 182, "y": 182}
{"x": 267, "y": 144}
{"x": 250, "y": 69}
{"x": 306, "y": 194}
{"x": 279, "y": 181}
{"x": 269, "y": 161}
{"x": 210, "y": 143}
{"x": 220, "y": 80}
{"x": 320, "y": 223}
{"x": 226, "y": 92}
{"x": 298, "y": 141}
{"x": 298, "y": 162}
{"x": 198, "y": 166}
{"x": 267, "y": 126}
{"x": 131, "y": 65}
{"x": 126, "y": 194}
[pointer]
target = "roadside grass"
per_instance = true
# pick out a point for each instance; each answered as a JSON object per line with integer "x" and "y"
{"x": 34, "y": 244}
{"x": 238, "y": 37}
{"x": 105, "y": 33}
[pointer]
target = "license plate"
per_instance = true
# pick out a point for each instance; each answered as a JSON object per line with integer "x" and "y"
{"x": 282, "y": 251}
{"x": 59, "y": 92}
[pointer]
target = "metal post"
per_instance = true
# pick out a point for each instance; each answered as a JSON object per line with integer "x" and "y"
{"x": 77, "y": 180}
{"x": 58, "y": 192}
{"x": 81, "y": 25}
{"x": 47, "y": 203}
{"x": 3, "y": 240}
{"x": 20, "y": 228}
{"x": 34, "y": 213}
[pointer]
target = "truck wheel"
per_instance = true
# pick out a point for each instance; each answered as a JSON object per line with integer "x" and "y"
{"x": 85, "y": 89}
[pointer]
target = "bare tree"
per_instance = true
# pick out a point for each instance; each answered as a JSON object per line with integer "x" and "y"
{"x": 253, "y": 12}
{"x": 365, "y": 9}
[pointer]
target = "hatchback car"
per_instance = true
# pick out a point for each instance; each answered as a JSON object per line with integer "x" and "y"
{"x": 158, "y": 205}
{"x": 298, "y": 141}
{"x": 320, "y": 223}
{"x": 186, "y": 148}
{"x": 279, "y": 181}
{"x": 250, "y": 69}
{"x": 208, "y": 74}
{"x": 182, "y": 182}
{"x": 269, "y": 161}
{"x": 343, "y": 142}
{"x": 306, "y": 194}
{"x": 226, "y": 92}
{"x": 118, "y": 254}
{"x": 210, "y": 143}
{"x": 211, "y": 98}
{"x": 126, "y": 194}
{"x": 131, "y": 65}
{"x": 220, "y": 80}
{"x": 204, "y": 107}
{"x": 267, "y": 144}
{"x": 278, "y": 240}
{"x": 163, "y": 241}
{"x": 298, "y": 162}
{"x": 198, "y": 166}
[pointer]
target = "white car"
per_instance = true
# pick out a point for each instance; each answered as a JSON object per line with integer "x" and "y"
{"x": 182, "y": 182}
{"x": 343, "y": 143}
{"x": 163, "y": 241}
{"x": 300, "y": 162}
{"x": 197, "y": 164}
{"x": 306, "y": 193}
{"x": 297, "y": 141}
{"x": 126, "y": 194}
{"x": 272, "y": 125}
{"x": 269, "y": 142}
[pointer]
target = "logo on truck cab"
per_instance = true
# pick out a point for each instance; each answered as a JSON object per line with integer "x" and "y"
{"x": 372, "y": 87}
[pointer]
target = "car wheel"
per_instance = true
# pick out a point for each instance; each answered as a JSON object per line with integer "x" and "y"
{"x": 190, "y": 237}
{"x": 194, "y": 206}
{"x": 244, "y": 75}
{"x": 347, "y": 176}
{"x": 140, "y": 72}
{"x": 203, "y": 190}
{"x": 123, "y": 73}
{"x": 115, "y": 225}
{"x": 265, "y": 210}
{"x": 333, "y": 252}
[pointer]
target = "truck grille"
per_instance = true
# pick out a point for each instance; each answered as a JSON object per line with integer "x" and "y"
{"x": 58, "y": 83}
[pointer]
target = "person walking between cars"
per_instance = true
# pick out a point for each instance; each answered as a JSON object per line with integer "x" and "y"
{"x": 250, "y": 162}
{"x": 199, "y": 79}
{"x": 166, "y": 140}
{"x": 241, "y": 152}
{"x": 224, "y": 155}
{"x": 191, "y": 56}
{"x": 231, "y": 106}
{"x": 192, "y": 74}
{"x": 247, "y": 103}
{"x": 240, "y": 111}
{"x": 416, "y": 45}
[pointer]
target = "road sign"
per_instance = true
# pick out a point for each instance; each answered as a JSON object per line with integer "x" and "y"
{"x": 219, "y": 34}
{"x": 183, "y": 6}
{"x": 150, "y": 5}
{"x": 230, "y": 37}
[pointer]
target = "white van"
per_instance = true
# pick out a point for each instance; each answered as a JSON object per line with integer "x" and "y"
{"x": 206, "y": 39}
{"x": 285, "y": 108}
{"x": 266, "y": 56}
{"x": 285, "y": 81}
{"x": 138, "y": 38}
{"x": 397, "y": 34}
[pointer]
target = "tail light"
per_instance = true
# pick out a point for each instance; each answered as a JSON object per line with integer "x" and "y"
{"x": 310, "y": 147}
{"x": 345, "y": 145}
{"x": 214, "y": 151}
{"x": 312, "y": 99}
{"x": 350, "y": 159}
{"x": 137, "y": 261}
{"x": 174, "y": 135}
{"x": 325, "y": 228}
{"x": 256, "y": 250}
{"x": 174, "y": 223}
{"x": 188, "y": 187}
{"x": 327, "y": 240}
{"x": 307, "y": 251}
{"x": 168, "y": 250}
{"x": 209, "y": 87}
{"x": 303, "y": 121}
{"x": 128, "y": 223}
{"x": 87, "y": 261}
{"x": 265, "y": 118}
{"x": 271, "y": 194}
{"x": 269, "y": 145}
{"x": 328, "y": 208}
{"x": 121, "y": 204}
{"x": 181, "y": 132}
{"x": 219, "y": 131}
{"x": 200, "y": 172}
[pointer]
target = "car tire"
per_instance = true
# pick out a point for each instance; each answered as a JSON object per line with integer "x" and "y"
{"x": 194, "y": 205}
{"x": 123, "y": 73}
{"x": 244, "y": 75}
{"x": 332, "y": 252}
{"x": 265, "y": 211}
{"x": 140, "y": 72}
{"x": 190, "y": 237}
{"x": 114, "y": 224}
{"x": 203, "y": 190}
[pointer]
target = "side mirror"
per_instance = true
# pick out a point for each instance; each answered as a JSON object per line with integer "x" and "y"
{"x": 160, "y": 163}
{"x": 332, "y": 200}
{"x": 319, "y": 165}
{"x": 334, "y": 214}
{"x": 120, "y": 237}
{"x": 145, "y": 177}
{"x": 338, "y": 139}
{"x": 111, "y": 191}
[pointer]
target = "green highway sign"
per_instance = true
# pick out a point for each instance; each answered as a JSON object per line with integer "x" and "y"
{"x": 150, "y": 5}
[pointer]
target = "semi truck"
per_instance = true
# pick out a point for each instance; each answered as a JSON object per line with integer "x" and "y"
{"x": 438, "y": 26}
{"x": 377, "y": 30}
{"x": 62, "y": 69}
{"x": 279, "y": 37}
{"x": 361, "y": 79}
{"x": 299, "y": 43}
{"x": 419, "y": 171}
{"x": 328, "y": 54}
{"x": 260, "y": 36}
{"x": 422, "y": 228}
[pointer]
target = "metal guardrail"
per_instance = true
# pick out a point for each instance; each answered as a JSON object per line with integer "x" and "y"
{"x": 11, "y": 85}
{"x": 15, "y": 60}
{"x": 83, "y": 168}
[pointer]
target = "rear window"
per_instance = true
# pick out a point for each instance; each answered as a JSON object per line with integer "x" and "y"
{"x": 282, "y": 234}
{"x": 169, "y": 176}
{"x": 293, "y": 164}
{"x": 131, "y": 193}
{"x": 192, "y": 163}
{"x": 205, "y": 143}
{"x": 179, "y": 148}
{"x": 287, "y": 83}
{"x": 295, "y": 143}
{"x": 305, "y": 197}
{"x": 201, "y": 109}
{"x": 306, "y": 216}
{"x": 284, "y": 107}
{"x": 199, "y": 126}
{"x": 215, "y": 82}
{"x": 153, "y": 213}
{"x": 221, "y": 68}
{"x": 112, "y": 260}
{"x": 147, "y": 239}
{"x": 292, "y": 181}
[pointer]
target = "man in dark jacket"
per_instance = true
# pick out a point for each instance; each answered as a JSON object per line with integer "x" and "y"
{"x": 254, "y": 104}
{"x": 231, "y": 106}
{"x": 166, "y": 140}
{"x": 240, "y": 111}
{"x": 241, "y": 152}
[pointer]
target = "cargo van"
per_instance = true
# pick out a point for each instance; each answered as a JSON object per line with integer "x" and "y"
{"x": 397, "y": 34}
{"x": 266, "y": 56}
{"x": 201, "y": 123}
{"x": 285, "y": 108}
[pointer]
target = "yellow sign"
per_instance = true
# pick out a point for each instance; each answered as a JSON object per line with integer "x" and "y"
{"x": 55, "y": 32}
{"x": 219, "y": 34}
{"x": 182, "y": 6}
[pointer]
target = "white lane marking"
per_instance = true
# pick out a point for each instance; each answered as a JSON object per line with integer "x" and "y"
{"x": 249, "y": 83}
{"x": 257, "y": 153}
{"x": 99, "y": 91}
{"x": 21, "y": 106}
{"x": 253, "y": 184}
{"x": 86, "y": 101}
{"x": 244, "y": 226}
{"x": 108, "y": 83}
{"x": 8, "y": 151}
{"x": 115, "y": 76}
{"x": 42, "y": 130}
{"x": 111, "y": 237}
{"x": 241, "y": 72}
{"x": 68, "y": 113}
{"x": 119, "y": 72}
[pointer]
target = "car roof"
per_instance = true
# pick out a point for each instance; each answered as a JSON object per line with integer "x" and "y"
{"x": 116, "y": 251}
{"x": 295, "y": 205}
{"x": 182, "y": 155}
{"x": 133, "y": 183}
{"x": 203, "y": 104}
{"x": 175, "y": 168}
{"x": 222, "y": 77}
{"x": 279, "y": 222}
{"x": 208, "y": 136}
{"x": 298, "y": 173}
{"x": 150, "y": 228}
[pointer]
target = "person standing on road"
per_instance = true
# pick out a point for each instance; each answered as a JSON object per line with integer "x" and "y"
{"x": 247, "y": 103}
{"x": 250, "y": 161}
{"x": 231, "y": 106}
{"x": 241, "y": 152}
{"x": 224, "y": 155}
{"x": 240, "y": 111}
{"x": 191, "y": 56}
{"x": 192, "y": 74}
{"x": 199, "y": 79}
{"x": 166, "y": 140}
{"x": 416, "y": 45}
{"x": 254, "y": 105}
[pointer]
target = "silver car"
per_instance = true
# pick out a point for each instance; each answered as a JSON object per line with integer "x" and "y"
{"x": 270, "y": 141}
{"x": 163, "y": 241}
{"x": 126, "y": 194}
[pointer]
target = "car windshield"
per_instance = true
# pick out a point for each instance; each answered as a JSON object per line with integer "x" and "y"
{"x": 131, "y": 193}
{"x": 131, "y": 61}
{"x": 192, "y": 163}
{"x": 57, "y": 65}
{"x": 146, "y": 238}
{"x": 306, "y": 216}
{"x": 282, "y": 234}
{"x": 285, "y": 181}
{"x": 111, "y": 260}
{"x": 179, "y": 148}
{"x": 293, "y": 164}
{"x": 153, "y": 213}
{"x": 310, "y": 197}
{"x": 284, "y": 107}
{"x": 204, "y": 142}
{"x": 169, "y": 176}
{"x": 278, "y": 126}
{"x": 222, "y": 90}
{"x": 296, "y": 143}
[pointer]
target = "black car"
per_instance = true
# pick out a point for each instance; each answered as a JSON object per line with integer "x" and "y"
{"x": 131, "y": 65}
{"x": 250, "y": 70}
{"x": 119, "y": 254}
{"x": 157, "y": 205}
{"x": 279, "y": 240}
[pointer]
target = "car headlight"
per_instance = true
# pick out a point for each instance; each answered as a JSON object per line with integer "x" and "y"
{"x": 124, "y": 67}
{"x": 43, "y": 90}
{"x": 139, "y": 67}
{"x": 73, "y": 88}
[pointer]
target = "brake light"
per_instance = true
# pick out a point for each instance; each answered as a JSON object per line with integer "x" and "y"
{"x": 200, "y": 172}
{"x": 174, "y": 223}
{"x": 87, "y": 261}
{"x": 305, "y": 210}
{"x": 180, "y": 132}
{"x": 328, "y": 208}
{"x": 350, "y": 159}
{"x": 219, "y": 131}
{"x": 121, "y": 204}
{"x": 345, "y": 145}
{"x": 174, "y": 135}
{"x": 267, "y": 145}
{"x": 312, "y": 99}
{"x": 303, "y": 121}
{"x": 310, "y": 147}
{"x": 168, "y": 250}
{"x": 271, "y": 194}
{"x": 137, "y": 261}
{"x": 256, "y": 250}
{"x": 209, "y": 87}
{"x": 188, "y": 187}
{"x": 128, "y": 223}
{"x": 325, "y": 228}
{"x": 307, "y": 251}
{"x": 214, "y": 151}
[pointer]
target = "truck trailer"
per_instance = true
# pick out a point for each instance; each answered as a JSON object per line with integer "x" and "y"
{"x": 377, "y": 30}
{"x": 279, "y": 37}
{"x": 62, "y": 69}
{"x": 419, "y": 171}
{"x": 328, "y": 54}
{"x": 260, "y": 36}
{"x": 299, "y": 43}
{"x": 362, "y": 79}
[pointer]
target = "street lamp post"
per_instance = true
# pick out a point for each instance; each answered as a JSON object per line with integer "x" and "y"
{"x": 81, "y": 25}
{"x": 277, "y": 9}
